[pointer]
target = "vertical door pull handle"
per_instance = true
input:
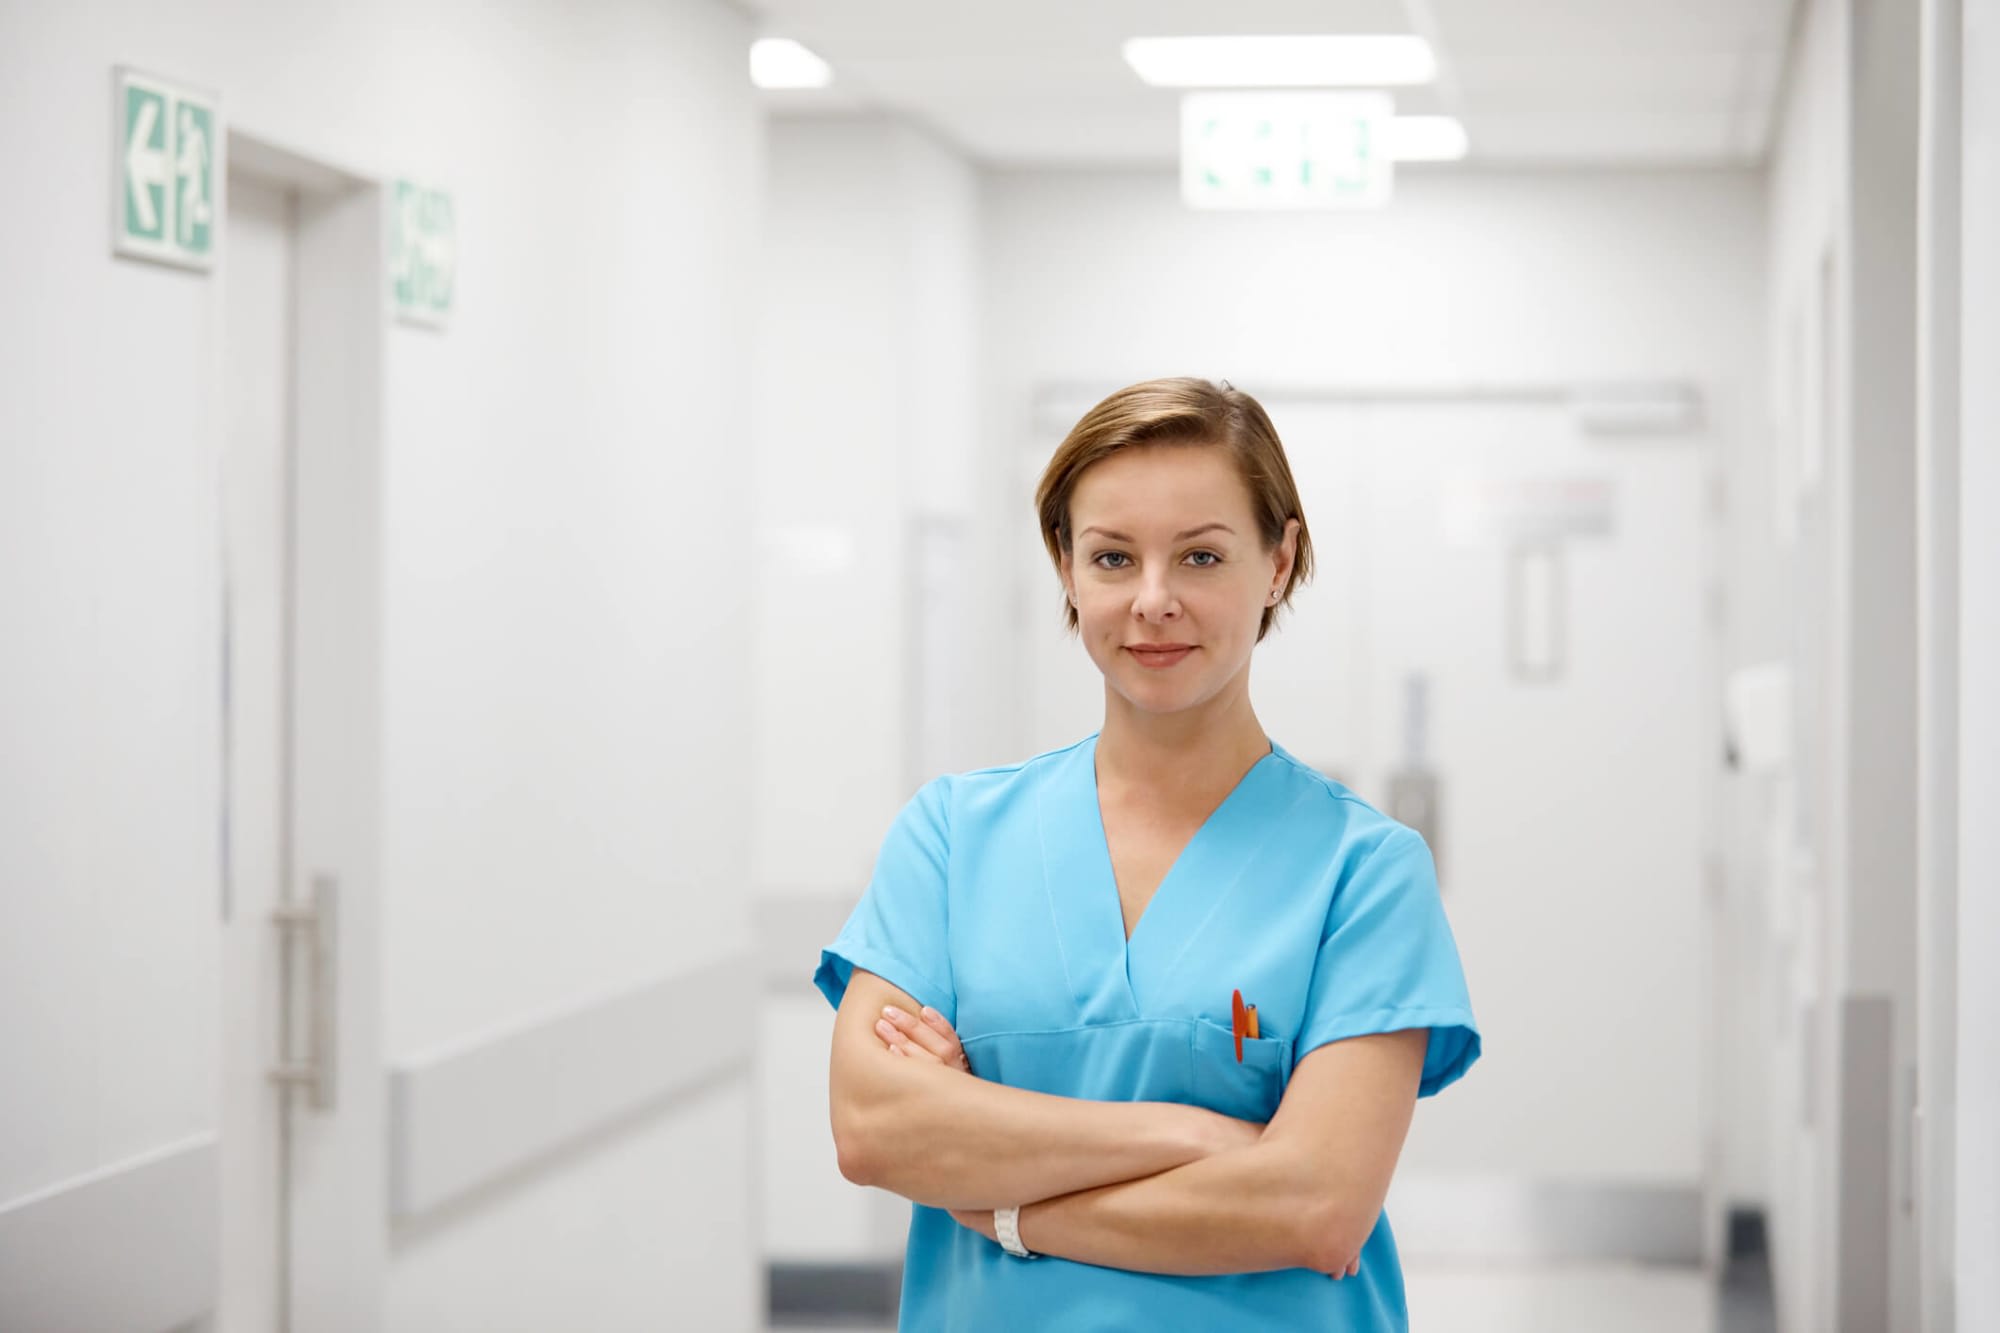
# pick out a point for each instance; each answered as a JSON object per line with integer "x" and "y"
{"x": 314, "y": 926}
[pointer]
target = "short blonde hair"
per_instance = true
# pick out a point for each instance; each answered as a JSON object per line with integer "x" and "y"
{"x": 1184, "y": 411}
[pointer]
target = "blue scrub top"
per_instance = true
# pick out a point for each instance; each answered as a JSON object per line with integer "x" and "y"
{"x": 994, "y": 902}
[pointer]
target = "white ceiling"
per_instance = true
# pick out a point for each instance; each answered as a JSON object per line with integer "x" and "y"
{"x": 1536, "y": 82}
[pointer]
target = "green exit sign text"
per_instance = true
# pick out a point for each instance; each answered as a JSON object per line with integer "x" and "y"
{"x": 423, "y": 253}
{"x": 1286, "y": 150}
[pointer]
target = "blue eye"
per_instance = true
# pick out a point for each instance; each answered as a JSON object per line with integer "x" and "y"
{"x": 1213, "y": 559}
{"x": 1102, "y": 556}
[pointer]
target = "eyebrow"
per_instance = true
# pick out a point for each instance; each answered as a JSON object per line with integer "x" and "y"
{"x": 1178, "y": 536}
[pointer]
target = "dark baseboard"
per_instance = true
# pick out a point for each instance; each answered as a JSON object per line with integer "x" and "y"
{"x": 1746, "y": 1233}
{"x": 1746, "y": 1300}
{"x": 823, "y": 1294}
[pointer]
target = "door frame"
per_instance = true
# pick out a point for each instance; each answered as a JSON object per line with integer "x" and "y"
{"x": 335, "y": 1175}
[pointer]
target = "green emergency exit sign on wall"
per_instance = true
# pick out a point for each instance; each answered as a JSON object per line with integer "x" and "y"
{"x": 166, "y": 160}
{"x": 423, "y": 253}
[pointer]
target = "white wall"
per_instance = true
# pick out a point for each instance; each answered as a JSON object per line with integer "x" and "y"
{"x": 110, "y": 736}
{"x": 863, "y": 422}
{"x": 826, "y": 569}
{"x": 651, "y": 1228}
{"x": 568, "y": 619}
{"x": 1978, "y": 1110}
{"x": 865, "y": 430}
{"x": 1471, "y": 278}
{"x": 567, "y": 581}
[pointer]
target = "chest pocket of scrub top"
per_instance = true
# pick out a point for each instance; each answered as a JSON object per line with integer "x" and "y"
{"x": 1248, "y": 1091}
{"x": 1144, "y": 1060}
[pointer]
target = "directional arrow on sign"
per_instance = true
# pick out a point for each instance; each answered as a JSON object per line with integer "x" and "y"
{"x": 145, "y": 165}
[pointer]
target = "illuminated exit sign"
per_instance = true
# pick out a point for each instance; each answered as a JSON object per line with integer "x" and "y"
{"x": 1286, "y": 150}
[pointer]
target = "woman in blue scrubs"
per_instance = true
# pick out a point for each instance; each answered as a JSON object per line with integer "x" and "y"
{"x": 1036, "y": 1038}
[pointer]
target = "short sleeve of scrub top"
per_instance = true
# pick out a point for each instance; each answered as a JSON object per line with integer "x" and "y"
{"x": 898, "y": 931}
{"x": 993, "y": 900}
{"x": 1388, "y": 963}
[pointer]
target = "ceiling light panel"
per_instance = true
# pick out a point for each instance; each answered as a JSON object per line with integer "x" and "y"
{"x": 1426, "y": 139}
{"x": 780, "y": 62}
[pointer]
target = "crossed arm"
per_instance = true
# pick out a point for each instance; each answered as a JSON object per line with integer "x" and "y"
{"x": 1148, "y": 1186}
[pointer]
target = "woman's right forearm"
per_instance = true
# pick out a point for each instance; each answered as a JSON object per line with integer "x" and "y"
{"x": 941, "y": 1137}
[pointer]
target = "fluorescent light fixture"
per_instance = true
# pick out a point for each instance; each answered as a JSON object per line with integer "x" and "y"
{"x": 1426, "y": 139}
{"x": 1321, "y": 61}
{"x": 780, "y": 62}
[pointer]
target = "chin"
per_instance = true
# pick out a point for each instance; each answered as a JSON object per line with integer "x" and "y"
{"x": 1158, "y": 696}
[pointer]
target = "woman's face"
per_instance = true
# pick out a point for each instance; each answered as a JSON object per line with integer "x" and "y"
{"x": 1169, "y": 573}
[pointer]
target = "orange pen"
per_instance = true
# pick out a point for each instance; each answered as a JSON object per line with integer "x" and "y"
{"x": 1242, "y": 1021}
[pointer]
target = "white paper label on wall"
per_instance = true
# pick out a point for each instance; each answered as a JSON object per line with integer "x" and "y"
{"x": 166, "y": 159}
{"x": 423, "y": 254}
{"x": 1286, "y": 150}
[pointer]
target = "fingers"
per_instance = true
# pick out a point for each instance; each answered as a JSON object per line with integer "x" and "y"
{"x": 954, "y": 1050}
{"x": 929, "y": 1037}
{"x": 899, "y": 1042}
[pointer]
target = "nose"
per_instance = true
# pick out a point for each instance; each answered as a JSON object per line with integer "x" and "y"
{"x": 1156, "y": 599}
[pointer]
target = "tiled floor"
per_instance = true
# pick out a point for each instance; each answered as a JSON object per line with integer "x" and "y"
{"x": 1578, "y": 1298}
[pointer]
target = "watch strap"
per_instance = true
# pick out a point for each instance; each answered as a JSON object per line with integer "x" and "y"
{"x": 1007, "y": 1226}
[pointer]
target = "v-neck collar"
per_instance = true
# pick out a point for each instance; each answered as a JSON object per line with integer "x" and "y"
{"x": 1107, "y": 972}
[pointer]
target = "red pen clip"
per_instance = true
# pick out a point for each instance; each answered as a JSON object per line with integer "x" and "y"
{"x": 1242, "y": 1021}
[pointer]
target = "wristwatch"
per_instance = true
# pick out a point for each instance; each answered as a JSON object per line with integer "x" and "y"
{"x": 1007, "y": 1226}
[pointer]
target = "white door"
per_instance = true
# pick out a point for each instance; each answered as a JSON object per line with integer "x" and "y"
{"x": 304, "y": 1216}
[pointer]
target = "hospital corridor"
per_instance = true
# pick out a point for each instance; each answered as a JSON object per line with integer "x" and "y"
{"x": 605, "y": 603}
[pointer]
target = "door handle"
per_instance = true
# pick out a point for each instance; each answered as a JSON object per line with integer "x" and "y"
{"x": 315, "y": 925}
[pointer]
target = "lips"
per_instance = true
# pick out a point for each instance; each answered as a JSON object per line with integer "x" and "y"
{"x": 1159, "y": 656}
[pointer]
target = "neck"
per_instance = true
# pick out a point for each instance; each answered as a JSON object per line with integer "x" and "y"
{"x": 1191, "y": 753}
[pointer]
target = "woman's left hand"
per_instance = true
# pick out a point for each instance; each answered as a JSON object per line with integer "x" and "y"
{"x": 928, "y": 1037}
